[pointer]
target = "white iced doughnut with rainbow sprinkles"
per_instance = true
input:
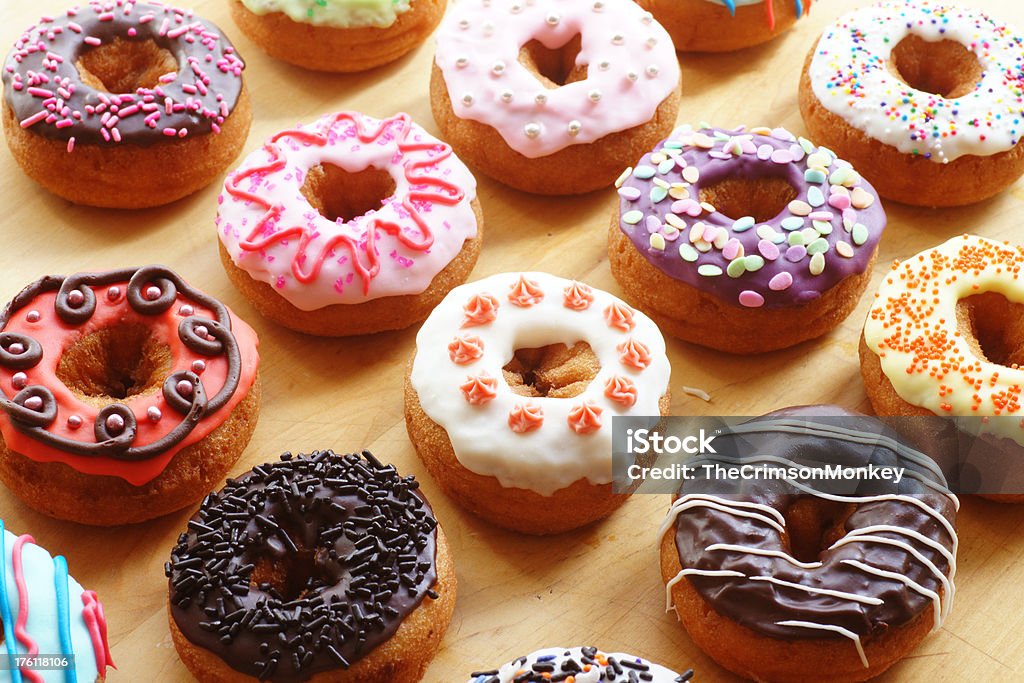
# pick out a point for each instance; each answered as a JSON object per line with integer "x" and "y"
{"x": 926, "y": 100}
{"x": 553, "y": 97}
{"x": 512, "y": 391}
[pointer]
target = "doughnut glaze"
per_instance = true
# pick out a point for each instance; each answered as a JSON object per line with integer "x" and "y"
{"x": 43, "y": 86}
{"x": 334, "y": 13}
{"x": 631, "y": 68}
{"x": 827, "y": 233}
{"x": 850, "y": 76}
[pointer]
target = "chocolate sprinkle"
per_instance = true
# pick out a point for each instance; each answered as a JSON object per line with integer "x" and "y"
{"x": 350, "y": 544}
{"x": 548, "y": 668}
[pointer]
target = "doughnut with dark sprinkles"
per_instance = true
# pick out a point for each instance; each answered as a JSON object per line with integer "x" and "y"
{"x": 579, "y": 665}
{"x": 304, "y": 565}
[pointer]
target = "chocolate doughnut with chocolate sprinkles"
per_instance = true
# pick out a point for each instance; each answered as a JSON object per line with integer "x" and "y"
{"x": 319, "y": 567}
{"x": 579, "y": 665}
{"x": 124, "y": 104}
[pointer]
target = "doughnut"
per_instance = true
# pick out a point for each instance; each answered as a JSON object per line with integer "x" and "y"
{"x": 44, "y": 612}
{"x": 943, "y": 337}
{"x": 720, "y": 232}
{"x": 337, "y": 35}
{"x": 579, "y": 665}
{"x": 124, "y": 104}
{"x": 511, "y": 421}
{"x": 925, "y": 99}
{"x": 725, "y": 25}
{"x": 778, "y": 581}
{"x": 559, "y": 99}
{"x": 350, "y": 225}
{"x": 123, "y": 395}
{"x": 320, "y": 567}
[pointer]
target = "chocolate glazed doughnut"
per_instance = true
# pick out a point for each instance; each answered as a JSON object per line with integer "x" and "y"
{"x": 124, "y": 104}
{"x": 319, "y": 567}
{"x": 779, "y": 581}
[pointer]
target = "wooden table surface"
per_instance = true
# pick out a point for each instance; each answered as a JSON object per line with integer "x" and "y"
{"x": 596, "y": 586}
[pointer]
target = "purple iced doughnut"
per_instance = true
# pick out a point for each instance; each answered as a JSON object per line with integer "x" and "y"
{"x": 828, "y": 233}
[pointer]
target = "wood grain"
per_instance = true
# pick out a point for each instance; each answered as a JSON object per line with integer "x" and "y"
{"x": 599, "y": 585}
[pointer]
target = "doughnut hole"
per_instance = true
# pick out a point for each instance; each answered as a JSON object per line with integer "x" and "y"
{"x": 114, "y": 364}
{"x": 994, "y": 327}
{"x": 554, "y": 67}
{"x": 123, "y": 66}
{"x": 945, "y": 68}
{"x": 814, "y": 524}
{"x": 554, "y": 371}
{"x": 736, "y": 197}
{"x": 296, "y": 574}
{"x": 340, "y": 195}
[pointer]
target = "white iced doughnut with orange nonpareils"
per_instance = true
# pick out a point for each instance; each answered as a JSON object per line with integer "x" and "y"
{"x": 631, "y": 69}
{"x": 545, "y": 443}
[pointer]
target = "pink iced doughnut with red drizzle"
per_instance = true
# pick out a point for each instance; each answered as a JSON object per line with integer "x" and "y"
{"x": 345, "y": 211}
{"x": 538, "y": 443}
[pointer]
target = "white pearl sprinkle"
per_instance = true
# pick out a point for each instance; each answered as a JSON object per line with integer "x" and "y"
{"x": 553, "y": 19}
{"x": 532, "y": 130}
{"x": 516, "y": 9}
{"x": 541, "y": 98}
{"x": 461, "y": 62}
{"x": 506, "y": 96}
{"x": 652, "y": 41}
{"x": 488, "y": 29}
{"x": 617, "y": 39}
{"x": 464, "y": 24}
{"x": 632, "y": 75}
{"x": 598, "y": 6}
{"x": 651, "y": 70}
{"x": 604, "y": 66}
{"x": 575, "y": 127}
{"x": 498, "y": 68}
{"x": 647, "y": 18}
{"x": 594, "y": 95}
{"x": 467, "y": 100}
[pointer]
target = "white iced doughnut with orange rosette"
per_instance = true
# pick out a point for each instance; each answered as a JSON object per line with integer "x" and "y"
{"x": 551, "y": 96}
{"x": 512, "y": 391}
{"x": 349, "y": 225}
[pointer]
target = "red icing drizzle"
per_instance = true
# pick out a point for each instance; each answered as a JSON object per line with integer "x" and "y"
{"x": 525, "y": 417}
{"x": 54, "y": 335}
{"x": 578, "y": 296}
{"x": 479, "y": 389}
{"x": 634, "y": 354}
{"x": 621, "y": 390}
{"x": 96, "y": 623}
{"x": 444, "y": 192}
{"x": 525, "y": 293}
{"x": 585, "y": 418}
{"x": 31, "y": 648}
{"x": 465, "y": 349}
{"x": 480, "y": 310}
{"x": 620, "y": 317}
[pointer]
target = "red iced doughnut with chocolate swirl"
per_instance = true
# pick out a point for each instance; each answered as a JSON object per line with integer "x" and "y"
{"x": 124, "y": 104}
{"x": 124, "y": 395}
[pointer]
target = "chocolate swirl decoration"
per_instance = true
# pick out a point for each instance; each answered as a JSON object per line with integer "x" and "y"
{"x": 303, "y": 566}
{"x": 151, "y": 291}
{"x": 895, "y": 559}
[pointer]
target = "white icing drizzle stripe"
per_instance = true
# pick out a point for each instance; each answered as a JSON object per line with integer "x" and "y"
{"x": 833, "y": 628}
{"x": 764, "y": 552}
{"x": 939, "y": 613}
{"x": 853, "y": 597}
{"x": 695, "y": 572}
